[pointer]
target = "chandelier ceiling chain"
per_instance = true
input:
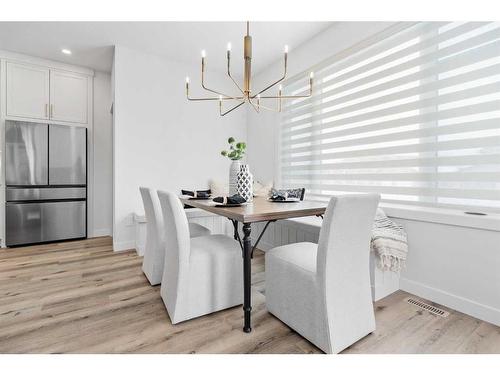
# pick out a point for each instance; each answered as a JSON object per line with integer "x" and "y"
{"x": 247, "y": 96}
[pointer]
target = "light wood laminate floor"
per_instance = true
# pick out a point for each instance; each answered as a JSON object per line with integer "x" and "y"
{"x": 80, "y": 297}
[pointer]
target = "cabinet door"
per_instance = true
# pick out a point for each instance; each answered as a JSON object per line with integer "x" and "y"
{"x": 27, "y": 91}
{"x": 68, "y": 97}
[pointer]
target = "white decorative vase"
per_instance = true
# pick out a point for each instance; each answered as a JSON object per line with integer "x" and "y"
{"x": 233, "y": 173}
{"x": 245, "y": 183}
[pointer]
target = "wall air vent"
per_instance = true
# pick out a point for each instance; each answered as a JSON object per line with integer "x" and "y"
{"x": 425, "y": 306}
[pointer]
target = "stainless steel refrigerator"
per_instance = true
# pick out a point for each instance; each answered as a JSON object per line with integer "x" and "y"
{"x": 46, "y": 182}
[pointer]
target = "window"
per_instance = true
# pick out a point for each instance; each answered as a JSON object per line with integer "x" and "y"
{"x": 413, "y": 114}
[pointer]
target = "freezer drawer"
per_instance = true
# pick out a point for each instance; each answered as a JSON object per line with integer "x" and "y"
{"x": 28, "y": 223}
{"x": 67, "y": 155}
{"x": 36, "y": 194}
{"x": 26, "y": 153}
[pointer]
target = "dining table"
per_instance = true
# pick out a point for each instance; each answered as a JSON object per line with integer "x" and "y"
{"x": 259, "y": 210}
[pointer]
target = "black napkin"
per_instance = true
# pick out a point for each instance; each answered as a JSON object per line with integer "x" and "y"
{"x": 197, "y": 193}
{"x": 234, "y": 199}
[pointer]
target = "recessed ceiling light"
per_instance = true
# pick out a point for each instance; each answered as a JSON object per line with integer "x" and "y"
{"x": 66, "y": 51}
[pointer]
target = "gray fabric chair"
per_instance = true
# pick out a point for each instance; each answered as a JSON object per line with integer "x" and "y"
{"x": 202, "y": 274}
{"x": 323, "y": 291}
{"x": 154, "y": 255}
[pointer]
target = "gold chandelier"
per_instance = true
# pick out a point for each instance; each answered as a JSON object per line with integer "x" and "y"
{"x": 246, "y": 96}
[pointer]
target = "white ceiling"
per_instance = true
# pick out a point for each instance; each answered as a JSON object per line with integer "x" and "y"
{"x": 92, "y": 42}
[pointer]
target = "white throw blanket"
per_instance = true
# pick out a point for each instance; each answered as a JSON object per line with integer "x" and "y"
{"x": 389, "y": 242}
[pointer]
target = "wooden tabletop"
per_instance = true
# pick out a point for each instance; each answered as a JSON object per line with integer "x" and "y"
{"x": 261, "y": 209}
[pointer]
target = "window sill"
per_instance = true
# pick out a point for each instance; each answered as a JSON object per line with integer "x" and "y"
{"x": 442, "y": 216}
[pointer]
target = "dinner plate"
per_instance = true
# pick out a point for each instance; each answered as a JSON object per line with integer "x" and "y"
{"x": 289, "y": 200}
{"x": 195, "y": 198}
{"x": 230, "y": 204}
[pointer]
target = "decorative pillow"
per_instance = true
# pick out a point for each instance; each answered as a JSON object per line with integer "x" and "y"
{"x": 290, "y": 193}
{"x": 262, "y": 190}
{"x": 219, "y": 188}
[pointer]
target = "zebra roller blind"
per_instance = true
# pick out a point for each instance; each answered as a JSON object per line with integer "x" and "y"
{"x": 413, "y": 114}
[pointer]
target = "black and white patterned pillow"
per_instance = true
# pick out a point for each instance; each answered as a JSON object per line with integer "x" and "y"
{"x": 289, "y": 193}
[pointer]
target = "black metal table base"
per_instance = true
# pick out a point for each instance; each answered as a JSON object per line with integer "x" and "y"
{"x": 247, "y": 276}
{"x": 247, "y": 252}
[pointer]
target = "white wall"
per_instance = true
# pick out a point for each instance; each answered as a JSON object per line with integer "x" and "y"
{"x": 455, "y": 266}
{"x": 160, "y": 139}
{"x": 103, "y": 154}
{"x": 262, "y": 127}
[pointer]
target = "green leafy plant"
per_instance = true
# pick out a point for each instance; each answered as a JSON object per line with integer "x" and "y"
{"x": 236, "y": 149}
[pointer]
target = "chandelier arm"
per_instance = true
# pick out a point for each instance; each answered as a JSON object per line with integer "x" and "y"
{"x": 253, "y": 106}
{"x": 236, "y": 83}
{"x": 265, "y": 107}
{"x": 268, "y": 87}
{"x": 230, "y": 76}
{"x": 275, "y": 83}
{"x": 286, "y": 97}
{"x": 292, "y": 96}
{"x": 231, "y": 109}
{"x": 214, "y": 91}
{"x": 238, "y": 98}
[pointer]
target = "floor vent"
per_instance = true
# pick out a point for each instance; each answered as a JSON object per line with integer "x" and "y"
{"x": 425, "y": 306}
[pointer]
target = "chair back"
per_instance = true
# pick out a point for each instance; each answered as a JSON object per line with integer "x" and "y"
{"x": 177, "y": 249}
{"x": 154, "y": 218}
{"x": 343, "y": 259}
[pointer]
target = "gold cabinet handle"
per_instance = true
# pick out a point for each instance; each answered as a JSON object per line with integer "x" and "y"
{"x": 46, "y": 110}
{"x": 51, "y": 110}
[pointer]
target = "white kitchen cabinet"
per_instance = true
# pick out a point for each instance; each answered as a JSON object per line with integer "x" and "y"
{"x": 42, "y": 93}
{"x": 27, "y": 91}
{"x": 68, "y": 97}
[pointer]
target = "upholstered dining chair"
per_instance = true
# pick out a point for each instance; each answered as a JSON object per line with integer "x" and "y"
{"x": 154, "y": 254}
{"x": 322, "y": 290}
{"x": 201, "y": 274}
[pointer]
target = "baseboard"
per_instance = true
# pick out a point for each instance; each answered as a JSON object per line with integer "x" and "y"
{"x": 381, "y": 292}
{"x": 124, "y": 245}
{"x": 101, "y": 232}
{"x": 477, "y": 310}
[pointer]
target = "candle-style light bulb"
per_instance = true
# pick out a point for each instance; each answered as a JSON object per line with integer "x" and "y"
{"x": 311, "y": 75}
{"x": 187, "y": 80}
{"x": 229, "y": 47}
{"x": 220, "y": 98}
{"x": 203, "y": 54}
{"x": 286, "y": 48}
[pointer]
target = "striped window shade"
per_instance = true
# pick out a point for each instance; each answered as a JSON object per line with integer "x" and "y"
{"x": 412, "y": 113}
